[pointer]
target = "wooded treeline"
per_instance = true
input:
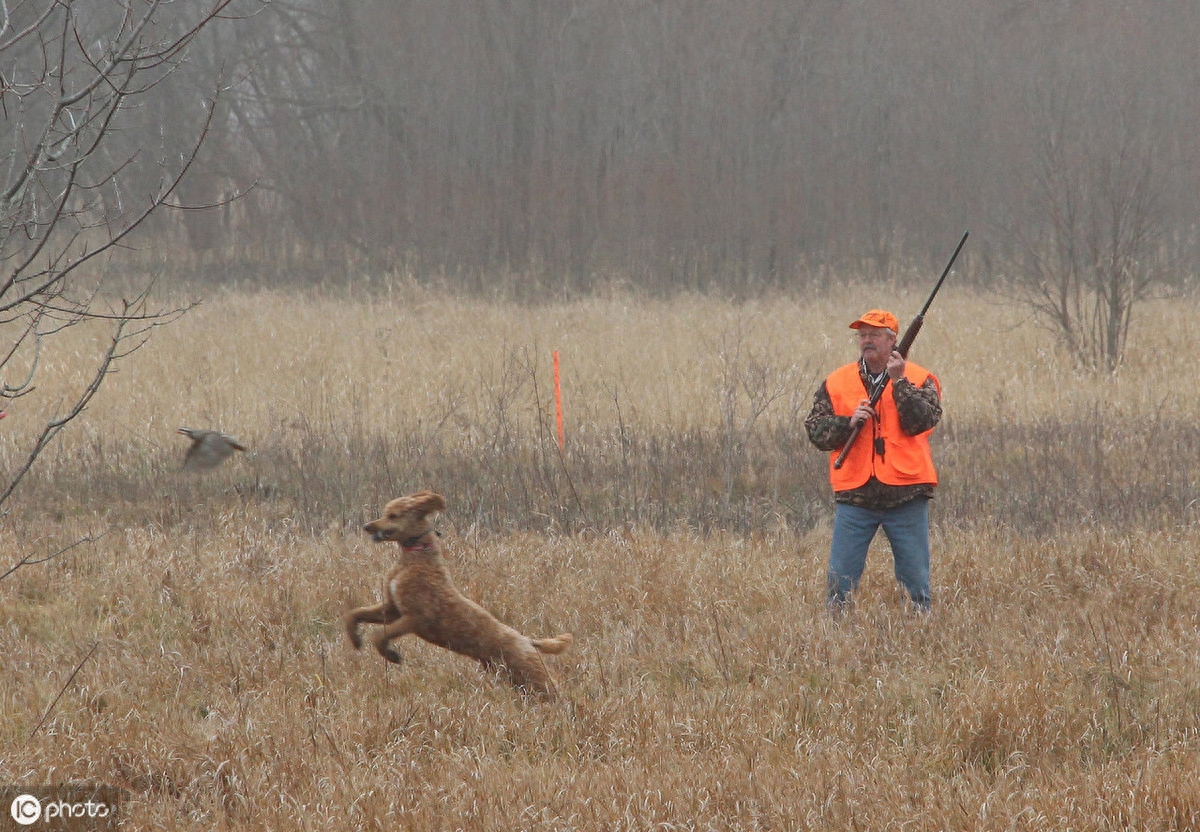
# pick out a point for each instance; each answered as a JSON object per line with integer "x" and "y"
{"x": 683, "y": 144}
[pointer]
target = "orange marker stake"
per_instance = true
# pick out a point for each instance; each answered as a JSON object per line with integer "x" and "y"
{"x": 558, "y": 401}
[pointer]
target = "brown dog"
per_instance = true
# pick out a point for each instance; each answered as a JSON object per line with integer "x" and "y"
{"x": 420, "y": 598}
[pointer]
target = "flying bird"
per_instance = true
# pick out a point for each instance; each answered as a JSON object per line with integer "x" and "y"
{"x": 209, "y": 448}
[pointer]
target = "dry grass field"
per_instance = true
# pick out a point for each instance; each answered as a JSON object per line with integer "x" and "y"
{"x": 681, "y": 535}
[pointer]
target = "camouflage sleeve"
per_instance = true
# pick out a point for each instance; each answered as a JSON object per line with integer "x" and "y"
{"x": 826, "y": 430}
{"x": 920, "y": 407}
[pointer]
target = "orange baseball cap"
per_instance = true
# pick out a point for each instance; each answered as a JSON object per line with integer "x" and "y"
{"x": 879, "y": 318}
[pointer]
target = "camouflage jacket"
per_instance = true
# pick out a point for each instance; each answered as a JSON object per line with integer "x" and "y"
{"x": 920, "y": 409}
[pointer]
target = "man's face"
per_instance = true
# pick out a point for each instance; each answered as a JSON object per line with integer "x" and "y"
{"x": 875, "y": 343}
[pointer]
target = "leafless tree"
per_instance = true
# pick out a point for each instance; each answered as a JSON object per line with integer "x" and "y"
{"x": 684, "y": 145}
{"x": 1093, "y": 249}
{"x": 83, "y": 168}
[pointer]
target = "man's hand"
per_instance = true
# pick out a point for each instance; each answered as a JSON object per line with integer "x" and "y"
{"x": 862, "y": 413}
{"x": 896, "y": 365}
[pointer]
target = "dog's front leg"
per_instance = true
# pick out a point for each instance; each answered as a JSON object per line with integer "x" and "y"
{"x": 400, "y": 627}
{"x": 384, "y": 613}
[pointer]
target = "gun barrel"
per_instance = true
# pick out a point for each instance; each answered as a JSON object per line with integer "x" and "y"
{"x": 903, "y": 347}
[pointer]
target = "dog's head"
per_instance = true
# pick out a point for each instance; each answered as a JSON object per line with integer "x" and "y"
{"x": 406, "y": 518}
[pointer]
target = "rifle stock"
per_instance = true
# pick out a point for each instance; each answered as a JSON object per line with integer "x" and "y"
{"x": 903, "y": 347}
{"x": 910, "y": 335}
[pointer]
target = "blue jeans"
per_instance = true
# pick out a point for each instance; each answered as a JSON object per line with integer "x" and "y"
{"x": 907, "y": 529}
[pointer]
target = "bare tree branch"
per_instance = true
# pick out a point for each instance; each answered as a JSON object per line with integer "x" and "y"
{"x": 66, "y": 684}
{"x": 77, "y": 81}
{"x": 1091, "y": 253}
{"x": 30, "y": 560}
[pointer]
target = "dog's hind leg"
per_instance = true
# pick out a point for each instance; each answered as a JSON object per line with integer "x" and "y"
{"x": 530, "y": 676}
{"x": 384, "y": 613}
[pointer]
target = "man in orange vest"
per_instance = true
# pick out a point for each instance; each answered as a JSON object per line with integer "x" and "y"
{"x": 888, "y": 477}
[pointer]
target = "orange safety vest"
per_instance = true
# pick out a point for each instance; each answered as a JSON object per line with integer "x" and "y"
{"x": 906, "y": 460}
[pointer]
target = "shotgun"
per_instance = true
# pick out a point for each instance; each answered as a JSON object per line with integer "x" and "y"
{"x": 910, "y": 335}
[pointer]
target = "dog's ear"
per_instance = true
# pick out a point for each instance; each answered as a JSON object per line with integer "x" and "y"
{"x": 427, "y": 502}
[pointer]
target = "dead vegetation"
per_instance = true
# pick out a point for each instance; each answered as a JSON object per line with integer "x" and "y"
{"x": 1054, "y": 687}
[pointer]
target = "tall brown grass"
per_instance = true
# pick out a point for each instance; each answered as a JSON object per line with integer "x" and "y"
{"x": 681, "y": 535}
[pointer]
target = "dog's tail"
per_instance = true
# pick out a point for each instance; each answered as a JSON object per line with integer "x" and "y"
{"x": 553, "y": 645}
